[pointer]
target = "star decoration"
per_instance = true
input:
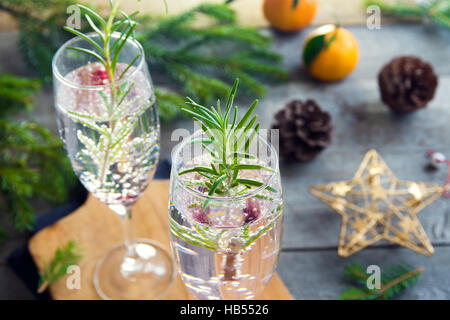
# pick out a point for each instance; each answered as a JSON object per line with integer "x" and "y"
{"x": 374, "y": 205}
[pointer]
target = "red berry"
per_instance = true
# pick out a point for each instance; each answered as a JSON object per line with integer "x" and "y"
{"x": 253, "y": 210}
{"x": 99, "y": 77}
{"x": 200, "y": 215}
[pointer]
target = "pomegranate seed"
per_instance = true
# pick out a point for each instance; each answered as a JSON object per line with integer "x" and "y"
{"x": 99, "y": 77}
{"x": 200, "y": 215}
{"x": 253, "y": 210}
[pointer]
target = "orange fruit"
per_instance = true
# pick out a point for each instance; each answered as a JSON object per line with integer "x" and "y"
{"x": 330, "y": 53}
{"x": 289, "y": 15}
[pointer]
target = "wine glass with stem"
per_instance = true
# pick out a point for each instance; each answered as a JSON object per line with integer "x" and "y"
{"x": 108, "y": 122}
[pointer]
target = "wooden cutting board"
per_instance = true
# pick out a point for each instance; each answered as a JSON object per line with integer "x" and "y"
{"x": 96, "y": 229}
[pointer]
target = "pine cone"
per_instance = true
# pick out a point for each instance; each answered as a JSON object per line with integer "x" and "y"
{"x": 305, "y": 130}
{"x": 407, "y": 83}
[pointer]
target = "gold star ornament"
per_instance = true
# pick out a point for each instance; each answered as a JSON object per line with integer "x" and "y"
{"x": 374, "y": 205}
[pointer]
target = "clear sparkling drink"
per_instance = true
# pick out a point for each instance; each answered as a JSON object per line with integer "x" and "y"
{"x": 229, "y": 248}
{"x": 109, "y": 133}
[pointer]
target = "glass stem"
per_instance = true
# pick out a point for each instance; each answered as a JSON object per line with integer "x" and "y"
{"x": 128, "y": 233}
{"x": 230, "y": 268}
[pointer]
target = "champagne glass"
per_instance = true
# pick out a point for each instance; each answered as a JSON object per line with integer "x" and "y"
{"x": 110, "y": 131}
{"x": 225, "y": 247}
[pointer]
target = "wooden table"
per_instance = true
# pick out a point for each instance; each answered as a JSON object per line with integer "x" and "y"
{"x": 309, "y": 264}
{"x": 96, "y": 229}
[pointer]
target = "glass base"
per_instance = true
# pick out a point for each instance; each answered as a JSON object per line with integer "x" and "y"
{"x": 146, "y": 276}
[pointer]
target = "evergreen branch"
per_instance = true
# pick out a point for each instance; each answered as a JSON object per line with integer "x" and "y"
{"x": 33, "y": 162}
{"x": 16, "y": 93}
{"x": 403, "y": 281}
{"x": 437, "y": 11}
{"x": 169, "y": 104}
{"x": 394, "y": 281}
{"x": 183, "y": 53}
{"x": 399, "y": 8}
{"x": 63, "y": 258}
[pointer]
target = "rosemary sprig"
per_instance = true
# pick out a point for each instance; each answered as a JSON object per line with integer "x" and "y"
{"x": 64, "y": 257}
{"x": 207, "y": 237}
{"x": 108, "y": 148}
{"x": 108, "y": 52}
{"x": 394, "y": 281}
{"x": 228, "y": 141}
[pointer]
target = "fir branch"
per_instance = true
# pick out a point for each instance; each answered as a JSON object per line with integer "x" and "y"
{"x": 169, "y": 104}
{"x": 394, "y": 281}
{"x": 191, "y": 57}
{"x": 16, "y": 93}
{"x": 181, "y": 50}
{"x": 63, "y": 258}
{"x": 32, "y": 162}
{"x": 437, "y": 11}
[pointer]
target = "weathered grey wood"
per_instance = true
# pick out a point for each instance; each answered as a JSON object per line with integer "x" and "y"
{"x": 310, "y": 223}
{"x": 362, "y": 122}
{"x": 378, "y": 47}
{"x": 311, "y": 267}
{"x": 320, "y": 274}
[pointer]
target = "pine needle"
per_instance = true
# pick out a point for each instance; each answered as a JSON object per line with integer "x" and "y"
{"x": 395, "y": 280}
{"x": 64, "y": 258}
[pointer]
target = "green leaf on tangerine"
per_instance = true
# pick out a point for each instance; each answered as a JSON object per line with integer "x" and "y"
{"x": 295, "y": 3}
{"x": 313, "y": 48}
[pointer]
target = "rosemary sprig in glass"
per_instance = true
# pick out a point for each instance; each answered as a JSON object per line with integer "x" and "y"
{"x": 228, "y": 144}
{"x": 227, "y": 139}
{"x": 108, "y": 51}
{"x": 113, "y": 34}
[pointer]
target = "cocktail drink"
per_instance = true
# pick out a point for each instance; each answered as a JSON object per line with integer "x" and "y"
{"x": 226, "y": 208}
{"x": 108, "y": 121}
